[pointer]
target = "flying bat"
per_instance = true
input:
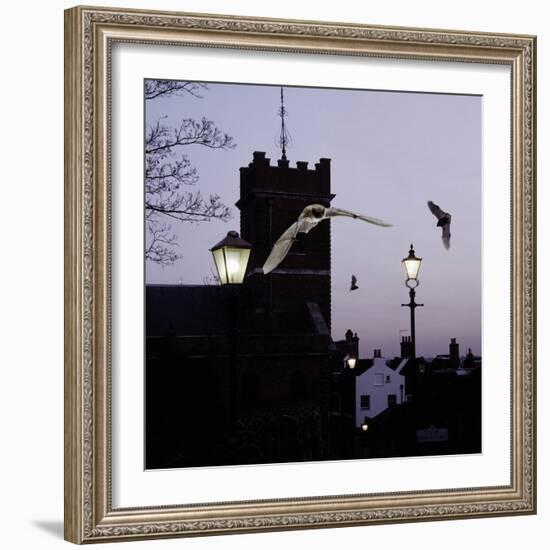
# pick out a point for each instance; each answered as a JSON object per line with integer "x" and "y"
{"x": 309, "y": 218}
{"x": 443, "y": 221}
{"x": 353, "y": 283}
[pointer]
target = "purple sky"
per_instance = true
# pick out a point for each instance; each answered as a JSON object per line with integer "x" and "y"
{"x": 391, "y": 152}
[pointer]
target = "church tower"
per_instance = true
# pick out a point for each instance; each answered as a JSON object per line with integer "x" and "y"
{"x": 271, "y": 199}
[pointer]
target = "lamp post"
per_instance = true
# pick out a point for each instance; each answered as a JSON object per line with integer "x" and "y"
{"x": 231, "y": 257}
{"x": 411, "y": 264}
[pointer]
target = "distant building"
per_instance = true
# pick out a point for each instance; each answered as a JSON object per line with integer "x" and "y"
{"x": 441, "y": 413}
{"x": 471, "y": 361}
{"x": 378, "y": 387}
{"x": 449, "y": 360}
{"x": 348, "y": 349}
{"x": 366, "y": 389}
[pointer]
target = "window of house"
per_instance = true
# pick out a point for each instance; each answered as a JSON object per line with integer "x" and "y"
{"x": 378, "y": 379}
{"x": 365, "y": 402}
{"x": 392, "y": 400}
{"x": 388, "y": 379}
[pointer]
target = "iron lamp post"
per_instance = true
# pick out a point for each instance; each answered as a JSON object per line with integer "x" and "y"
{"x": 231, "y": 257}
{"x": 411, "y": 265}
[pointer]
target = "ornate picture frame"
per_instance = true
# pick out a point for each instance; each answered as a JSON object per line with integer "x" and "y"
{"x": 90, "y": 34}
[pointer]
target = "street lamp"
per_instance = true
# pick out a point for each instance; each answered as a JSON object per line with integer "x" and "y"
{"x": 411, "y": 264}
{"x": 351, "y": 361}
{"x": 231, "y": 257}
{"x": 365, "y": 425}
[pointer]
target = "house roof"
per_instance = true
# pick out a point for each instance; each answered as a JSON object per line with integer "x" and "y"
{"x": 397, "y": 365}
{"x": 362, "y": 365}
{"x": 183, "y": 309}
{"x": 401, "y": 365}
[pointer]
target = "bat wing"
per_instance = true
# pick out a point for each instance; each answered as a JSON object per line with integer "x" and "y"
{"x": 332, "y": 212}
{"x": 435, "y": 210}
{"x": 446, "y": 236}
{"x": 284, "y": 243}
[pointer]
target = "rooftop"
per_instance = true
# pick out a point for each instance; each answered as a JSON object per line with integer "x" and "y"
{"x": 197, "y": 310}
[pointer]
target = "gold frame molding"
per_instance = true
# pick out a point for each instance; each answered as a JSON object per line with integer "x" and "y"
{"x": 89, "y": 35}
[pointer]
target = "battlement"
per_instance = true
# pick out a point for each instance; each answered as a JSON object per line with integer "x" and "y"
{"x": 261, "y": 175}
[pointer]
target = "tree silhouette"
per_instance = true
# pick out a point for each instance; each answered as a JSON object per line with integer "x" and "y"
{"x": 168, "y": 171}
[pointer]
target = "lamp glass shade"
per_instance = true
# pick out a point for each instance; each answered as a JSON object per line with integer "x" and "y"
{"x": 411, "y": 265}
{"x": 351, "y": 362}
{"x": 231, "y": 264}
{"x": 231, "y": 258}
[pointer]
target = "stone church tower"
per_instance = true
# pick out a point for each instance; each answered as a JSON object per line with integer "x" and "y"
{"x": 271, "y": 199}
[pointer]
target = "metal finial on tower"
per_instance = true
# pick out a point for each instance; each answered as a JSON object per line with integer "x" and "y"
{"x": 284, "y": 138}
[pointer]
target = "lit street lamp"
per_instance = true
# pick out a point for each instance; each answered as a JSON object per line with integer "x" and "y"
{"x": 351, "y": 361}
{"x": 231, "y": 257}
{"x": 411, "y": 264}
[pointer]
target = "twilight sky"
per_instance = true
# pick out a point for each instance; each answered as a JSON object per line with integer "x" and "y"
{"x": 391, "y": 152}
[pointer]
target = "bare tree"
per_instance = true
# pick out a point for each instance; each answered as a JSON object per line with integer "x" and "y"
{"x": 168, "y": 171}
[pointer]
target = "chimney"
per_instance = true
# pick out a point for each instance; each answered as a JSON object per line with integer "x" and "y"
{"x": 406, "y": 346}
{"x": 454, "y": 354}
{"x": 351, "y": 344}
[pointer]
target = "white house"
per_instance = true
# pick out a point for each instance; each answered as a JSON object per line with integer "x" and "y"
{"x": 378, "y": 388}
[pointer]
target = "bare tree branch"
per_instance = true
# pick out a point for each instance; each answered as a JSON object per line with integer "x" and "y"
{"x": 167, "y": 88}
{"x": 167, "y": 170}
{"x": 160, "y": 244}
{"x": 189, "y": 207}
{"x": 190, "y": 132}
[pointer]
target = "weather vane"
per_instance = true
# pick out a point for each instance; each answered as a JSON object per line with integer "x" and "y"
{"x": 284, "y": 138}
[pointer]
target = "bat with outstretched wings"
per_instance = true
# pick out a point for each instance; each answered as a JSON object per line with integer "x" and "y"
{"x": 310, "y": 217}
{"x": 443, "y": 221}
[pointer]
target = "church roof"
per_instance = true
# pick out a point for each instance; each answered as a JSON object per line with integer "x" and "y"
{"x": 194, "y": 310}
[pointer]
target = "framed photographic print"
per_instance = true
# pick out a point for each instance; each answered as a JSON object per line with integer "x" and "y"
{"x": 300, "y": 274}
